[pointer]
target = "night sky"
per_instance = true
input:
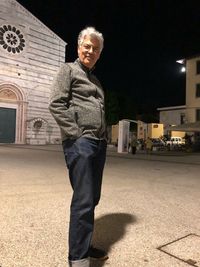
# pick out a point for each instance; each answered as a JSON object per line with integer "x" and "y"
{"x": 143, "y": 40}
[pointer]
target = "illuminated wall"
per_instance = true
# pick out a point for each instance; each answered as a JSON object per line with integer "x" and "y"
{"x": 30, "y": 56}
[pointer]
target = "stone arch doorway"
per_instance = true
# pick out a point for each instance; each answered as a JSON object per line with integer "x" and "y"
{"x": 13, "y": 114}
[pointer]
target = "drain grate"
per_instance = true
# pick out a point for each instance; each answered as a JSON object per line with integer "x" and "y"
{"x": 186, "y": 249}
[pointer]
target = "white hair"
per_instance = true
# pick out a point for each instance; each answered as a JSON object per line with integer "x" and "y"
{"x": 91, "y": 31}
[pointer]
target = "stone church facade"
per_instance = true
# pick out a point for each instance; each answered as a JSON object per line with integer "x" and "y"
{"x": 30, "y": 55}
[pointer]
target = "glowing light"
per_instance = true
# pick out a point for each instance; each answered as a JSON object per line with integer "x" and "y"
{"x": 180, "y": 61}
{"x": 183, "y": 69}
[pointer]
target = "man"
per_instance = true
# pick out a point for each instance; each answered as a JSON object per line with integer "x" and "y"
{"x": 149, "y": 145}
{"x": 77, "y": 104}
{"x": 133, "y": 144}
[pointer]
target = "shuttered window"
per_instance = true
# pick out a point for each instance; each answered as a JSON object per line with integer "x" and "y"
{"x": 198, "y": 90}
{"x": 198, "y": 115}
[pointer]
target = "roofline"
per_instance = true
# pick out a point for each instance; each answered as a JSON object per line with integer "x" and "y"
{"x": 183, "y": 60}
{"x": 172, "y": 108}
{"x": 42, "y": 24}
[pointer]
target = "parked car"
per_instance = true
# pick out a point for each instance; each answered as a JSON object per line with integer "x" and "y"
{"x": 158, "y": 143}
{"x": 175, "y": 141}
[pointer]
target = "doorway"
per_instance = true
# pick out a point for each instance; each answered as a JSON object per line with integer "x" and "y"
{"x": 7, "y": 125}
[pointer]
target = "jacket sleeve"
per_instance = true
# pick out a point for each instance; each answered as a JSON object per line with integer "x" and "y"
{"x": 60, "y": 100}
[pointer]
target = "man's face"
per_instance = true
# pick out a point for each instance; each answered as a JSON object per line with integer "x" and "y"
{"x": 89, "y": 51}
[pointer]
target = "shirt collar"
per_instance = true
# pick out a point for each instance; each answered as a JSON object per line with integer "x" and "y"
{"x": 84, "y": 67}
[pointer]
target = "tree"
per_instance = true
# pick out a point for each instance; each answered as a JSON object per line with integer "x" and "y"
{"x": 112, "y": 107}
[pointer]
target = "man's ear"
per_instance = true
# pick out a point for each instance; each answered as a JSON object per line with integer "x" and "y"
{"x": 78, "y": 49}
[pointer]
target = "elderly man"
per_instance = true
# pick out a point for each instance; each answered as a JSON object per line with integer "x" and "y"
{"x": 77, "y": 105}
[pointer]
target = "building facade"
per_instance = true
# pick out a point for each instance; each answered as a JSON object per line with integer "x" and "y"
{"x": 30, "y": 55}
{"x": 170, "y": 116}
{"x": 193, "y": 89}
{"x": 151, "y": 130}
{"x": 187, "y": 117}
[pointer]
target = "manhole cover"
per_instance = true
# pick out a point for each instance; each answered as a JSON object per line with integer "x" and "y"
{"x": 186, "y": 249}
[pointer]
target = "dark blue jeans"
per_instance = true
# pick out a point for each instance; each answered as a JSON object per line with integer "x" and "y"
{"x": 85, "y": 159}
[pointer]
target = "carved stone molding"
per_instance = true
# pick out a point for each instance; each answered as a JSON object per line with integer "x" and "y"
{"x": 7, "y": 94}
{"x": 12, "y": 96}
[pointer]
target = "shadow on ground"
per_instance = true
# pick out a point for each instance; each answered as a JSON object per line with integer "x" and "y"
{"x": 109, "y": 229}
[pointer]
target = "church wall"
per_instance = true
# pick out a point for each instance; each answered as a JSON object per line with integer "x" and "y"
{"x": 31, "y": 70}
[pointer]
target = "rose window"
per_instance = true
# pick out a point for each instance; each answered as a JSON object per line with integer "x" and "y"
{"x": 11, "y": 39}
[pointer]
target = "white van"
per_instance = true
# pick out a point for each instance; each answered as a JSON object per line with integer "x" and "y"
{"x": 175, "y": 141}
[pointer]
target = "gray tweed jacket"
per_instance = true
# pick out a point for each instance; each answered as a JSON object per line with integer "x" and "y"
{"x": 77, "y": 102}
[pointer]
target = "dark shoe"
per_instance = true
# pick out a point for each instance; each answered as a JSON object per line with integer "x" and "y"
{"x": 97, "y": 254}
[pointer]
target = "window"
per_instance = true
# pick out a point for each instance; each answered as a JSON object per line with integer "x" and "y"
{"x": 197, "y": 114}
{"x": 198, "y": 67}
{"x": 198, "y": 90}
{"x": 11, "y": 39}
{"x": 182, "y": 120}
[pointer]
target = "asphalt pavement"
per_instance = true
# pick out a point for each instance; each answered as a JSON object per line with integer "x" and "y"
{"x": 148, "y": 214}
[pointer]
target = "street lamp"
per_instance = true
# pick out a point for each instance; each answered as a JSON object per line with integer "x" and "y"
{"x": 183, "y": 69}
{"x": 182, "y": 62}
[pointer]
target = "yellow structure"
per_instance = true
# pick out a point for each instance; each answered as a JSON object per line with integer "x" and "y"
{"x": 115, "y": 132}
{"x": 141, "y": 130}
{"x": 151, "y": 130}
{"x": 155, "y": 130}
{"x": 177, "y": 134}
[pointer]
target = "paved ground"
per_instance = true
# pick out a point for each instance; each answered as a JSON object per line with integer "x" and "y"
{"x": 147, "y": 201}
